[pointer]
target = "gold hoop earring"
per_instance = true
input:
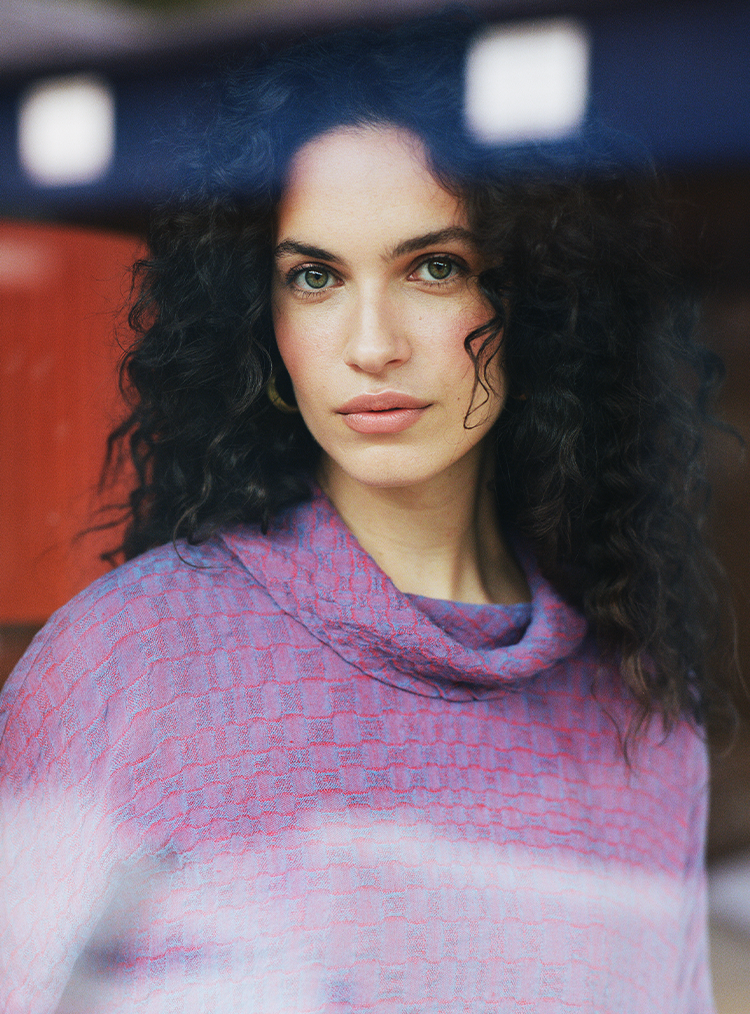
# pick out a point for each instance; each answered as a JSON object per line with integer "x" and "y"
{"x": 276, "y": 400}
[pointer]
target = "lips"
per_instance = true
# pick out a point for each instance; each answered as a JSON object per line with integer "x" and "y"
{"x": 386, "y": 412}
{"x": 386, "y": 401}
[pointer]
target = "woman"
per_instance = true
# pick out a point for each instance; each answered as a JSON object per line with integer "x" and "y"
{"x": 397, "y": 703}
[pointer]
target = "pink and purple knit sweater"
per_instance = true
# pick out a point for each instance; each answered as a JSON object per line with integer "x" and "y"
{"x": 255, "y": 777}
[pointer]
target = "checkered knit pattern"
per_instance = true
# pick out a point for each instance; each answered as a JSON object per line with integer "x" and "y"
{"x": 253, "y": 776}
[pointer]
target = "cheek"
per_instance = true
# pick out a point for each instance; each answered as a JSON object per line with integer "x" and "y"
{"x": 288, "y": 334}
{"x": 444, "y": 341}
{"x": 304, "y": 353}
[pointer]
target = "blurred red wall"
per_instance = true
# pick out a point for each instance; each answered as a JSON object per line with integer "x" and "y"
{"x": 62, "y": 291}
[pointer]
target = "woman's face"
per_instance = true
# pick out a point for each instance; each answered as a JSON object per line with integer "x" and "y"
{"x": 374, "y": 293}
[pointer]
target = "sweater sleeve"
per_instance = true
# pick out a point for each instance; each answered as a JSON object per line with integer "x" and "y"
{"x": 57, "y": 847}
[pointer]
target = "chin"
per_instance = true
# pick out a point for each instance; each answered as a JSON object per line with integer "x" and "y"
{"x": 388, "y": 478}
{"x": 386, "y": 468}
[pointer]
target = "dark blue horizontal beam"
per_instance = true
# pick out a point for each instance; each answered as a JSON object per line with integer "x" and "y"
{"x": 676, "y": 80}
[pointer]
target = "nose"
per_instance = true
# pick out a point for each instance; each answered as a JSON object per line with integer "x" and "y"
{"x": 376, "y": 337}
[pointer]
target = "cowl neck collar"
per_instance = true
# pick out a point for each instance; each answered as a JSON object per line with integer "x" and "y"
{"x": 315, "y": 570}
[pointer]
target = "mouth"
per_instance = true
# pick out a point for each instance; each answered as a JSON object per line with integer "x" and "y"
{"x": 386, "y": 401}
{"x": 387, "y": 412}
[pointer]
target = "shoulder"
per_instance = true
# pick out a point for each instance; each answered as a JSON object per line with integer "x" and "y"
{"x": 167, "y": 582}
{"x": 172, "y": 602}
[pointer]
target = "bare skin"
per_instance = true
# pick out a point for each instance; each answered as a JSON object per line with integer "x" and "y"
{"x": 440, "y": 540}
{"x": 374, "y": 293}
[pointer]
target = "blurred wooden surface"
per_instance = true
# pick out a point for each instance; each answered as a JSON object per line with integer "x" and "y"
{"x": 730, "y": 963}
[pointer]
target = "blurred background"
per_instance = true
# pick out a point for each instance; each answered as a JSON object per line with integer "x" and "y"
{"x": 92, "y": 93}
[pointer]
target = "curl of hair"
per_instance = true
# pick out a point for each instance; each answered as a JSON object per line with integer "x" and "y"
{"x": 599, "y": 450}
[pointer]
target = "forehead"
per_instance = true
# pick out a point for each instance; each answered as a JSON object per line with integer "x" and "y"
{"x": 376, "y": 178}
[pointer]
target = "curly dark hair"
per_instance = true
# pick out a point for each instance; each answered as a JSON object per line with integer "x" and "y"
{"x": 599, "y": 451}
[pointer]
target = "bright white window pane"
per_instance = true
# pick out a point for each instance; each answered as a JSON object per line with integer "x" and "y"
{"x": 66, "y": 130}
{"x": 528, "y": 82}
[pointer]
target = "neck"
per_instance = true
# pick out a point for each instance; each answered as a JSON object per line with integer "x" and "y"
{"x": 440, "y": 538}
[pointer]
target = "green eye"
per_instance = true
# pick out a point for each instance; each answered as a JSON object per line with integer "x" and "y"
{"x": 434, "y": 270}
{"x": 315, "y": 278}
{"x": 438, "y": 269}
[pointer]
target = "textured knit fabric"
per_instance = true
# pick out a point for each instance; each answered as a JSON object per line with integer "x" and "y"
{"x": 253, "y": 776}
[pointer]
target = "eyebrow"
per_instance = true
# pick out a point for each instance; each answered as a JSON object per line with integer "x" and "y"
{"x": 292, "y": 247}
{"x": 451, "y": 234}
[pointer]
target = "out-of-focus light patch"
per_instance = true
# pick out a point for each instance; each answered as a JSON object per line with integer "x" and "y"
{"x": 25, "y": 264}
{"x": 66, "y": 130}
{"x": 528, "y": 82}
